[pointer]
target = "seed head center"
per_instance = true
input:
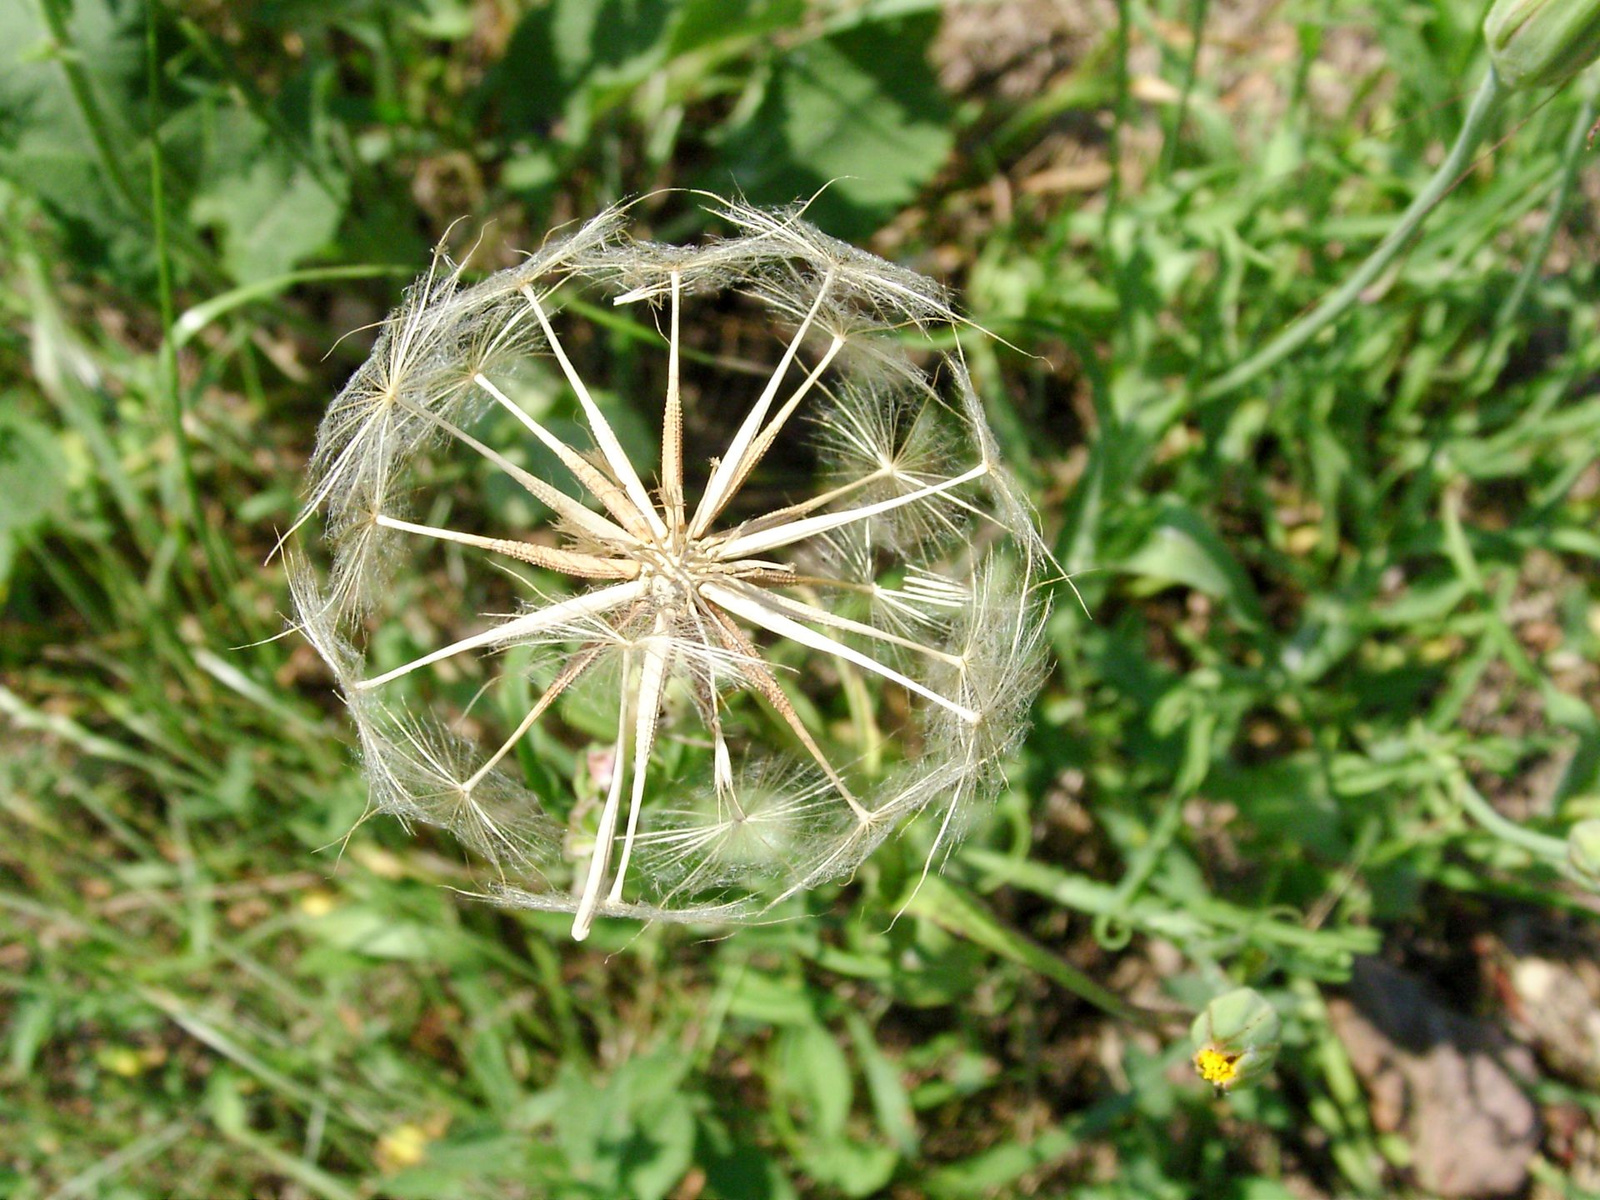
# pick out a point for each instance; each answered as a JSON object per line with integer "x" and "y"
{"x": 676, "y": 571}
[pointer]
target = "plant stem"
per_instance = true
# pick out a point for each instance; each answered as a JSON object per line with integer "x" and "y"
{"x": 217, "y": 560}
{"x": 1479, "y": 115}
{"x": 94, "y": 120}
{"x": 1197, "y": 28}
{"x": 958, "y": 911}
{"x": 1119, "y": 117}
{"x": 109, "y": 135}
{"x": 1571, "y": 156}
{"x": 1480, "y": 810}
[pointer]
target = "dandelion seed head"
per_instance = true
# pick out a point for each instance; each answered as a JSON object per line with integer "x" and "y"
{"x": 825, "y": 536}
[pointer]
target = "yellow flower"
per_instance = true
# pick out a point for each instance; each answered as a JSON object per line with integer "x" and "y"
{"x": 1236, "y": 1039}
{"x": 403, "y": 1146}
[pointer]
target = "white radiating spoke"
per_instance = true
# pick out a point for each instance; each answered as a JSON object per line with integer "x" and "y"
{"x": 569, "y": 675}
{"x": 590, "y": 604}
{"x": 758, "y": 612}
{"x": 652, "y": 677}
{"x": 800, "y": 508}
{"x": 556, "y": 501}
{"x": 672, "y": 425}
{"x": 585, "y": 566}
{"x": 721, "y": 762}
{"x": 821, "y": 616}
{"x": 766, "y": 685}
{"x": 758, "y": 448}
{"x": 604, "y": 436}
{"x": 794, "y": 531}
{"x": 724, "y": 480}
{"x": 615, "y": 500}
{"x": 600, "y": 857}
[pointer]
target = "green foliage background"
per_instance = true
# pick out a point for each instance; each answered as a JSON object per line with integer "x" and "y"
{"x": 1327, "y": 610}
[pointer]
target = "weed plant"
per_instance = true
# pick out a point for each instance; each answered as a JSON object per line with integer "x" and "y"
{"x": 1331, "y": 691}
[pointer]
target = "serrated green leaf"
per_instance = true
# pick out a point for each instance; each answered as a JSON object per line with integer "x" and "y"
{"x": 859, "y": 113}
{"x": 270, "y": 210}
{"x": 564, "y": 53}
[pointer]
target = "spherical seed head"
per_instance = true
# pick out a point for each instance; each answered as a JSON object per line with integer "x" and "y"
{"x": 805, "y": 611}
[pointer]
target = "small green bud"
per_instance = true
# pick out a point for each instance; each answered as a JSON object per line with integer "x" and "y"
{"x": 1539, "y": 43}
{"x": 1583, "y": 850}
{"x": 1236, "y": 1039}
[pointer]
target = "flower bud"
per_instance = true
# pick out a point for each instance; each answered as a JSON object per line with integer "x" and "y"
{"x": 1583, "y": 850}
{"x": 1539, "y": 43}
{"x": 1236, "y": 1039}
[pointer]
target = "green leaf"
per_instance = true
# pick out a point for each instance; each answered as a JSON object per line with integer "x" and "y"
{"x": 812, "y": 1071}
{"x": 224, "y": 1103}
{"x": 31, "y": 1026}
{"x": 1183, "y": 549}
{"x": 855, "y": 1168}
{"x": 658, "y": 1151}
{"x": 1257, "y": 1188}
{"x": 704, "y": 23}
{"x": 887, "y": 1090}
{"x": 660, "y": 1146}
{"x": 633, "y": 1136}
{"x": 1286, "y": 801}
{"x": 378, "y": 934}
{"x": 773, "y": 999}
{"x": 930, "y": 967}
{"x": 271, "y": 210}
{"x": 45, "y": 141}
{"x": 563, "y": 55}
{"x": 964, "y": 915}
{"x": 193, "y": 320}
{"x": 859, "y": 113}
{"x": 447, "y": 20}
{"x": 31, "y": 471}
{"x": 459, "y": 1165}
{"x": 984, "y": 1174}
{"x": 737, "y": 1170}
